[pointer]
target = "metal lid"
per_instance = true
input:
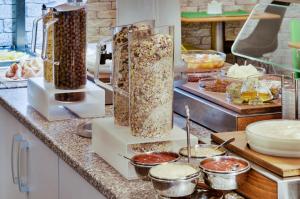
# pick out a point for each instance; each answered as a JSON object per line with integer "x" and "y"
{"x": 51, "y": 4}
{"x": 68, "y": 7}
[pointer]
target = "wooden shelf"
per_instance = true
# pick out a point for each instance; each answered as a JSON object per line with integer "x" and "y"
{"x": 294, "y": 45}
{"x": 229, "y": 18}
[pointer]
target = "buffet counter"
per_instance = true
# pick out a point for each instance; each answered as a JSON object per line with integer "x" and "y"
{"x": 60, "y": 137}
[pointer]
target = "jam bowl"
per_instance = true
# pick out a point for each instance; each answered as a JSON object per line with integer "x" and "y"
{"x": 224, "y": 172}
{"x": 145, "y": 161}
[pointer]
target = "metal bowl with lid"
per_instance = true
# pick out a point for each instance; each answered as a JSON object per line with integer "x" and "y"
{"x": 224, "y": 172}
{"x": 174, "y": 179}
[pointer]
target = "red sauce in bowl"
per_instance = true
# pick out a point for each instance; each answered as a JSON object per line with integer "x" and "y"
{"x": 154, "y": 158}
{"x": 224, "y": 165}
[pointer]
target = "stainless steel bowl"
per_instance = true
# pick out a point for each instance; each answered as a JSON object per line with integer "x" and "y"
{"x": 142, "y": 169}
{"x": 195, "y": 159}
{"x": 197, "y": 146}
{"x": 176, "y": 187}
{"x": 225, "y": 180}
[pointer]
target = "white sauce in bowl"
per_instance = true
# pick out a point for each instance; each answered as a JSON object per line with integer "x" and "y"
{"x": 172, "y": 171}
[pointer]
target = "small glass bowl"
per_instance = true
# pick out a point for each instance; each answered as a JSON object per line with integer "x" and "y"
{"x": 203, "y": 60}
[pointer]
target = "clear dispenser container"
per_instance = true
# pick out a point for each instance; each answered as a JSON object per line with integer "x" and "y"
{"x": 69, "y": 31}
{"x": 48, "y": 63}
{"x": 151, "y": 61}
{"x": 121, "y": 68}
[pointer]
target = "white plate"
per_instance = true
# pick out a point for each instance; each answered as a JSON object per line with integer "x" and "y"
{"x": 3, "y": 78}
{"x": 273, "y": 152}
{"x": 287, "y": 130}
{"x": 25, "y": 55}
{"x": 275, "y": 137}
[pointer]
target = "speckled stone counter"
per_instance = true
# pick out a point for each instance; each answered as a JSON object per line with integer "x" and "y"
{"x": 60, "y": 137}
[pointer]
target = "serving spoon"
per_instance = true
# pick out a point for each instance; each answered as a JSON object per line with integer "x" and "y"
{"x": 187, "y": 111}
{"x": 225, "y": 143}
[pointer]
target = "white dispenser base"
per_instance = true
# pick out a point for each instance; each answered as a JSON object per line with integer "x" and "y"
{"x": 41, "y": 96}
{"x": 110, "y": 141}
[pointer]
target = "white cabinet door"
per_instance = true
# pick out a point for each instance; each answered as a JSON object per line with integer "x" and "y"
{"x": 73, "y": 186}
{"x": 8, "y": 128}
{"x": 38, "y": 165}
{"x": 42, "y": 172}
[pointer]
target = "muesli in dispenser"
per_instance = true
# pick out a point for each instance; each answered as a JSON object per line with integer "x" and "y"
{"x": 151, "y": 61}
{"x": 121, "y": 68}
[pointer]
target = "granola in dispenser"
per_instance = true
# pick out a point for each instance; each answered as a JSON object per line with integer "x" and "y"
{"x": 151, "y": 84}
{"x": 121, "y": 71}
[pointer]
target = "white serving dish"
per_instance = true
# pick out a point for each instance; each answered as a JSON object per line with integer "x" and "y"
{"x": 275, "y": 137}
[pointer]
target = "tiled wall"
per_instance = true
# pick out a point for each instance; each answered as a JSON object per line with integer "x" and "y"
{"x": 101, "y": 16}
{"x": 32, "y": 11}
{"x": 7, "y": 21}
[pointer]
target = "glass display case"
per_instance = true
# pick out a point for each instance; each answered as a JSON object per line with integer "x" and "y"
{"x": 271, "y": 35}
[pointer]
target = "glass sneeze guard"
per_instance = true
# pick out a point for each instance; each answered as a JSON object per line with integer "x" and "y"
{"x": 270, "y": 35}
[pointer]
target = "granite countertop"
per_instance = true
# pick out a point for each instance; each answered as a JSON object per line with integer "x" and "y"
{"x": 60, "y": 137}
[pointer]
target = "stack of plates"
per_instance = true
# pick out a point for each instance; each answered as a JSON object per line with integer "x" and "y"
{"x": 275, "y": 137}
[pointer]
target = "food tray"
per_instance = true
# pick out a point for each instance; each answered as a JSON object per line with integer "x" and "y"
{"x": 220, "y": 99}
{"x": 10, "y": 83}
{"x": 11, "y": 61}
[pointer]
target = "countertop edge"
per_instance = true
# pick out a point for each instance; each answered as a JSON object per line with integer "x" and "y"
{"x": 53, "y": 147}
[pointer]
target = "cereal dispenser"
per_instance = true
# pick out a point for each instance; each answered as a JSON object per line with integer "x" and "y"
{"x": 69, "y": 45}
{"x": 142, "y": 82}
{"x": 64, "y": 89}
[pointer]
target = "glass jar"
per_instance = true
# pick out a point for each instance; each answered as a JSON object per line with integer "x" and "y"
{"x": 121, "y": 68}
{"x": 151, "y": 61}
{"x": 69, "y": 24}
